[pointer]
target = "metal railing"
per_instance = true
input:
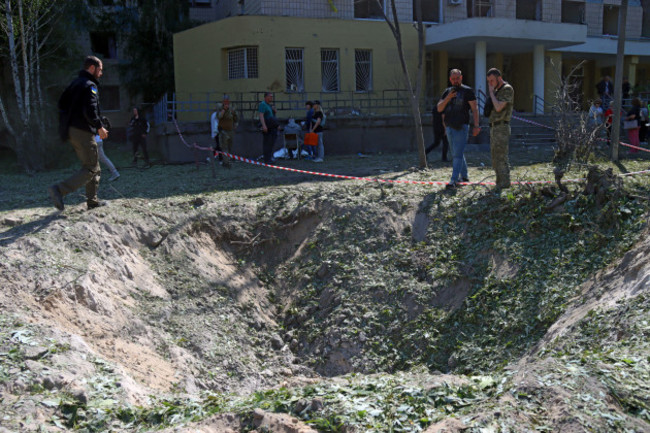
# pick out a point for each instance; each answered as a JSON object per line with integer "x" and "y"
{"x": 199, "y": 106}
{"x": 539, "y": 105}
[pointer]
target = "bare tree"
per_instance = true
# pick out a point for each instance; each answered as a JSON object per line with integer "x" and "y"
{"x": 575, "y": 135}
{"x": 415, "y": 91}
{"x": 26, "y": 26}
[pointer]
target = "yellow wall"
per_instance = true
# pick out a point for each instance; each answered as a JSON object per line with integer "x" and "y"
{"x": 201, "y": 60}
{"x": 522, "y": 81}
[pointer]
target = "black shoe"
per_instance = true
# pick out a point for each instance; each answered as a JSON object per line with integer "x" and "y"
{"x": 56, "y": 196}
{"x": 451, "y": 185}
{"x": 465, "y": 179}
{"x": 96, "y": 204}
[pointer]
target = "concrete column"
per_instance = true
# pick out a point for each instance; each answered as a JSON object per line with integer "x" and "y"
{"x": 538, "y": 76}
{"x": 480, "y": 66}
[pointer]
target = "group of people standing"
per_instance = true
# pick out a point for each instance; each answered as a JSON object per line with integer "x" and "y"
{"x": 451, "y": 124}
{"x": 224, "y": 121}
{"x": 634, "y": 120}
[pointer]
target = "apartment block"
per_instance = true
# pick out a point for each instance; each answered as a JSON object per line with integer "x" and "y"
{"x": 345, "y": 46}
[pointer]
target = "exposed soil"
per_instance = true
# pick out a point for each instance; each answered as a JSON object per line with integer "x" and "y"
{"x": 243, "y": 291}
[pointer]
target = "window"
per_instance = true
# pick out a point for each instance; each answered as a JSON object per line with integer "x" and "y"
{"x": 201, "y": 3}
{"x": 242, "y": 63}
{"x": 610, "y": 20}
{"x": 294, "y": 70}
{"x": 329, "y": 67}
{"x": 430, "y": 11}
{"x": 363, "y": 70}
{"x": 369, "y": 9}
{"x": 529, "y": 10}
{"x": 573, "y": 12}
{"x": 479, "y": 8}
{"x": 109, "y": 98}
{"x": 103, "y": 44}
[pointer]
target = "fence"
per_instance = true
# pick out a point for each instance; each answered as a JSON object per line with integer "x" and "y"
{"x": 199, "y": 106}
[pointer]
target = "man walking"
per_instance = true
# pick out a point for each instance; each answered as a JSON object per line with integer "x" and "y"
{"x": 139, "y": 131}
{"x": 80, "y": 116}
{"x": 455, "y": 105}
{"x": 502, "y": 95}
{"x": 227, "y": 124}
{"x": 439, "y": 134}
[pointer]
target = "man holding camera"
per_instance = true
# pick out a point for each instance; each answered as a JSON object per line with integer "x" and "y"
{"x": 502, "y": 96}
{"x": 79, "y": 121}
{"x": 455, "y": 105}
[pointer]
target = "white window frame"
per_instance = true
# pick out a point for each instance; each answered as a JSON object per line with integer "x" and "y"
{"x": 357, "y": 66}
{"x": 325, "y": 82}
{"x": 250, "y": 67}
{"x": 294, "y": 65}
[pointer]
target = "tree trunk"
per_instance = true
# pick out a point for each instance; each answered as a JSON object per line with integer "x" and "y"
{"x": 618, "y": 79}
{"x": 26, "y": 66}
{"x": 11, "y": 35}
{"x": 414, "y": 93}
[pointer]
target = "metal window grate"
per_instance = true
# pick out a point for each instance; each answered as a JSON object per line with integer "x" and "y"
{"x": 242, "y": 63}
{"x": 363, "y": 70}
{"x": 329, "y": 65}
{"x": 294, "y": 69}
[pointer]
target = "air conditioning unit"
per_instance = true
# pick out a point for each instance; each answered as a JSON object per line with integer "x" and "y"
{"x": 455, "y": 2}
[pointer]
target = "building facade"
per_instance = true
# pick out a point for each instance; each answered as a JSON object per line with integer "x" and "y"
{"x": 342, "y": 49}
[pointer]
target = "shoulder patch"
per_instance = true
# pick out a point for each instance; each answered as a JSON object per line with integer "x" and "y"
{"x": 93, "y": 89}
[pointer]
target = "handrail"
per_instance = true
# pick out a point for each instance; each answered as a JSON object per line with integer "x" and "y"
{"x": 384, "y": 102}
{"x": 539, "y": 106}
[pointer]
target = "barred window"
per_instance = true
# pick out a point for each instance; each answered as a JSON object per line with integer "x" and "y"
{"x": 363, "y": 70}
{"x": 329, "y": 66}
{"x": 242, "y": 63}
{"x": 294, "y": 69}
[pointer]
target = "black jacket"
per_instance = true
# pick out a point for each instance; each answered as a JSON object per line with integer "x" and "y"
{"x": 80, "y": 103}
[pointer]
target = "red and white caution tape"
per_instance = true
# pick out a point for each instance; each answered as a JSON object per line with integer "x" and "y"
{"x": 370, "y": 179}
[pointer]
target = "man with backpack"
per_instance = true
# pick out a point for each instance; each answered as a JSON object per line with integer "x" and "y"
{"x": 79, "y": 122}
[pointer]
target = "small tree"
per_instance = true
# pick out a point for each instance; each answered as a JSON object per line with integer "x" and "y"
{"x": 575, "y": 135}
{"x": 414, "y": 91}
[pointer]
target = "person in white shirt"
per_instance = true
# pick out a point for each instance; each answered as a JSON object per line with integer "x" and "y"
{"x": 596, "y": 113}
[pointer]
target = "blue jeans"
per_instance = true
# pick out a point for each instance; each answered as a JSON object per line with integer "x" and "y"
{"x": 457, "y": 142}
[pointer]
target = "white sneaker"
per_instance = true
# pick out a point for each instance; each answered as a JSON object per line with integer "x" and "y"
{"x": 114, "y": 177}
{"x": 318, "y": 160}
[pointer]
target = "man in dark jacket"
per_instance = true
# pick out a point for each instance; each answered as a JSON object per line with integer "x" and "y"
{"x": 79, "y": 112}
{"x": 439, "y": 134}
{"x": 139, "y": 131}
